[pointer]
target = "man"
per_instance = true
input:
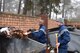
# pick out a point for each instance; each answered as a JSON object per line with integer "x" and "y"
{"x": 63, "y": 38}
{"x": 39, "y": 35}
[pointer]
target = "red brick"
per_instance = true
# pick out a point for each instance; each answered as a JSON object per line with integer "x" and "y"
{"x": 23, "y": 22}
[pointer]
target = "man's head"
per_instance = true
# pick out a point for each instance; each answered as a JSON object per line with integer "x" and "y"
{"x": 41, "y": 22}
{"x": 61, "y": 21}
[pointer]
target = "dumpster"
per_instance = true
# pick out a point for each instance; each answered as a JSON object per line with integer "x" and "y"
{"x": 73, "y": 45}
{"x": 52, "y": 38}
{"x": 25, "y": 46}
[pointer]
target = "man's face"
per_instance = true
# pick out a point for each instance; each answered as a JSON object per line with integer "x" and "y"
{"x": 59, "y": 25}
{"x": 41, "y": 22}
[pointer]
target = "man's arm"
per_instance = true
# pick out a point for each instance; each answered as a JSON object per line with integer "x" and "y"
{"x": 66, "y": 38}
{"x": 40, "y": 32}
{"x": 37, "y": 34}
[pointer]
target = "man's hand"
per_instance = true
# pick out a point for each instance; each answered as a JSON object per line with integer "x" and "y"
{"x": 26, "y": 33}
{"x": 58, "y": 44}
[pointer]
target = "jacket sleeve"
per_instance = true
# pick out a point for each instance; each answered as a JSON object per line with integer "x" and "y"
{"x": 40, "y": 32}
{"x": 65, "y": 38}
{"x": 37, "y": 34}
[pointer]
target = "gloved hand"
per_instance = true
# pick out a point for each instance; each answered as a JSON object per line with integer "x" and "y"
{"x": 31, "y": 30}
{"x": 26, "y": 33}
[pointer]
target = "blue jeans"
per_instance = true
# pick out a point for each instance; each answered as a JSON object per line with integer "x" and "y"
{"x": 62, "y": 50}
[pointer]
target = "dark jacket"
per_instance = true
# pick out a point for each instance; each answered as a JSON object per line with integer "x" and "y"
{"x": 40, "y": 34}
{"x": 64, "y": 37}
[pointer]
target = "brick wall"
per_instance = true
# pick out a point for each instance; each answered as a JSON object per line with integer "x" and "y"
{"x": 18, "y": 21}
{"x": 23, "y": 22}
{"x": 52, "y": 24}
{"x": 74, "y": 24}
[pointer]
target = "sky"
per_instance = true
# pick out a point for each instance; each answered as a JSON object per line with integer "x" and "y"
{"x": 74, "y": 1}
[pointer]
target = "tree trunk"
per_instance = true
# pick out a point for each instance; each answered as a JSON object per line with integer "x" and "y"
{"x": 50, "y": 9}
{"x": 19, "y": 9}
{"x": 44, "y": 7}
{"x": 56, "y": 16}
{"x": 3, "y": 5}
{"x": 24, "y": 11}
{"x": 33, "y": 10}
{"x": 25, "y": 7}
{"x": 0, "y": 4}
{"x": 63, "y": 9}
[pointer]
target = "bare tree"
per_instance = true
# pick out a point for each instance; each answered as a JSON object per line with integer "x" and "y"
{"x": 25, "y": 9}
{"x": 3, "y": 5}
{"x": 19, "y": 9}
{"x": 28, "y": 4}
{"x": 0, "y": 4}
